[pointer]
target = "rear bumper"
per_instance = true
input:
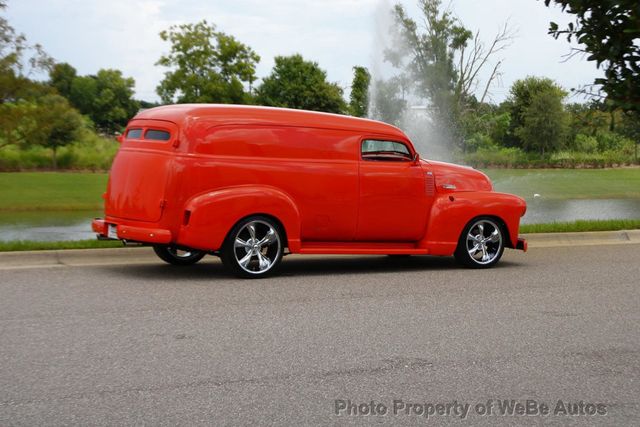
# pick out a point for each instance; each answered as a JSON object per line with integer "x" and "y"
{"x": 522, "y": 244}
{"x": 132, "y": 233}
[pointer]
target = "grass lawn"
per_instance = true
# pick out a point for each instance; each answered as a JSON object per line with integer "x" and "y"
{"x": 582, "y": 225}
{"x": 21, "y": 191}
{"x": 568, "y": 183}
{"x": 22, "y": 245}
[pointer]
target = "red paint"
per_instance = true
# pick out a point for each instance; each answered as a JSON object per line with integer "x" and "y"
{"x": 224, "y": 163}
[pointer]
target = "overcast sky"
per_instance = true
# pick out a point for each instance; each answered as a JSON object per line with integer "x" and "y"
{"x": 338, "y": 34}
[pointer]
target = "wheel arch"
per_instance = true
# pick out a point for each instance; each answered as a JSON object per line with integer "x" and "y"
{"x": 212, "y": 215}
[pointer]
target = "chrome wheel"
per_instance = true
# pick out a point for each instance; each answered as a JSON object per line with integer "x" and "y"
{"x": 257, "y": 246}
{"x": 180, "y": 254}
{"x": 176, "y": 256}
{"x": 481, "y": 243}
{"x": 484, "y": 242}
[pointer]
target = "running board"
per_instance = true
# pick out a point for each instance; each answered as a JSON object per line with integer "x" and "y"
{"x": 361, "y": 248}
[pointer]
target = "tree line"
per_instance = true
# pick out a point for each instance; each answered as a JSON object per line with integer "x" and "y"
{"x": 438, "y": 62}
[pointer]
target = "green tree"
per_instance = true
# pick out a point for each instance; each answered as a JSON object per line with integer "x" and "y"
{"x": 300, "y": 84}
{"x": 51, "y": 123}
{"x": 206, "y": 66}
{"x": 485, "y": 126}
{"x": 61, "y": 78}
{"x": 609, "y": 32}
{"x": 114, "y": 105}
{"x": 11, "y": 121}
{"x": 359, "y": 97}
{"x": 539, "y": 121}
{"x": 388, "y": 103}
{"x": 18, "y": 61}
{"x": 106, "y": 98}
{"x": 431, "y": 61}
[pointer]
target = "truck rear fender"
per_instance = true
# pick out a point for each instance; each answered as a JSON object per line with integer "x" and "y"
{"x": 209, "y": 217}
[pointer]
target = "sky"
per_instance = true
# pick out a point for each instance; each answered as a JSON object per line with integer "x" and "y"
{"x": 338, "y": 34}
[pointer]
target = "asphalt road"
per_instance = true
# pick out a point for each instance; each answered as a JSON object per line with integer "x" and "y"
{"x": 158, "y": 345}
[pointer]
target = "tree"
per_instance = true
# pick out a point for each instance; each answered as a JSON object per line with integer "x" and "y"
{"x": 539, "y": 121}
{"x": 61, "y": 78}
{"x": 11, "y": 119}
{"x": 114, "y": 104}
{"x": 444, "y": 60}
{"x": 387, "y": 104}
{"x": 106, "y": 98}
{"x": 18, "y": 61}
{"x": 51, "y": 123}
{"x": 609, "y": 33}
{"x": 300, "y": 84}
{"x": 359, "y": 97}
{"x": 206, "y": 66}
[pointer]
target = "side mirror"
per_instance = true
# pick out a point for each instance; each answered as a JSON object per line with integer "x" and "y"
{"x": 416, "y": 158}
{"x": 120, "y": 138}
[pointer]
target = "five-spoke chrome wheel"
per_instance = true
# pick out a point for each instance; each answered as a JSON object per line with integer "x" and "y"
{"x": 481, "y": 244}
{"x": 253, "y": 247}
{"x": 178, "y": 256}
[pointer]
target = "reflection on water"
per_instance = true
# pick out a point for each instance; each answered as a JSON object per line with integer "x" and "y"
{"x": 53, "y": 226}
{"x": 541, "y": 210}
{"x": 47, "y": 225}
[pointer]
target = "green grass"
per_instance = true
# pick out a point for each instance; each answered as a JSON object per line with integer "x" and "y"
{"x": 582, "y": 226}
{"x": 621, "y": 183}
{"x": 22, "y": 191}
{"x": 23, "y": 245}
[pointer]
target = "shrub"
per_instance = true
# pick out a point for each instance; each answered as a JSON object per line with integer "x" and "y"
{"x": 496, "y": 157}
{"x": 585, "y": 143}
{"x": 91, "y": 152}
{"x": 610, "y": 141}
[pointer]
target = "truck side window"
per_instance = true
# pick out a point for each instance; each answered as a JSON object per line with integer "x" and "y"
{"x": 386, "y": 151}
{"x": 134, "y": 133}
{"x": 157, "y": 135}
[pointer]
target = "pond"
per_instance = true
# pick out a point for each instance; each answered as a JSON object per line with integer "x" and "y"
{"x": 47, "y": 225}
{"x": 76, "y": 225}
{"x": 541, "y": 210}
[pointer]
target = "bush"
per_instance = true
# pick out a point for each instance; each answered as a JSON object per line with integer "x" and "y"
{"x": 496, "y": 157}
{"x": 585, "y": 143}
{"x": 610, "y": 141}
{"x": 479, "y": 141}
{"x": 91, "y": 152}
{"x": 515, "y": 158}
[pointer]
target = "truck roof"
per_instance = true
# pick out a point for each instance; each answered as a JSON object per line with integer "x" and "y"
{"x": 222, "y": 114}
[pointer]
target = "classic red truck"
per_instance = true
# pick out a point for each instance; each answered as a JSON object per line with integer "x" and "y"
{"x": 250, "y": 184}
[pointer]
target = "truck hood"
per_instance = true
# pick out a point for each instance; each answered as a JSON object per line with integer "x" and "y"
{"x": 453, "y": 178}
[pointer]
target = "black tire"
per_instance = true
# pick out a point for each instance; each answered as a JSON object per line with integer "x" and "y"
{"x": 242, "y": 252}
{"x": 474, "y": 251}
{"x": 175, "y": 256}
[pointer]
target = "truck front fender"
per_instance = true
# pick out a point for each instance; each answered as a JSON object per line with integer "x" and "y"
{"x": 452, "y": 212}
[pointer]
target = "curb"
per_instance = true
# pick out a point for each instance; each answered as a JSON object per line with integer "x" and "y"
{"x": 546, "y": 240}
{"x": 143, "y": 255}
{"x": 75, "y": 257}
